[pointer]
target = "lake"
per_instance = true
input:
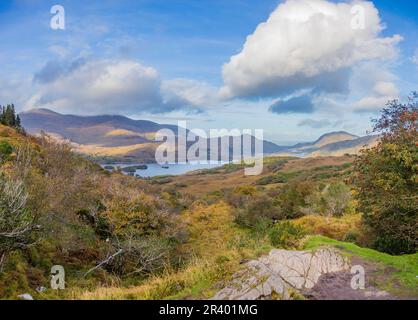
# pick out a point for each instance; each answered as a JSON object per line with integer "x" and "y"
{"x": 155, "y": 169}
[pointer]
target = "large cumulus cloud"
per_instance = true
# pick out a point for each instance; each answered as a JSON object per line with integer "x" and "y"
{"x": 306, "y": 44}
{"x": 104, "y": 86}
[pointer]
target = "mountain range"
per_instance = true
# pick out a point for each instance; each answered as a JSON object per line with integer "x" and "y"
{"x": 124, "y": 139}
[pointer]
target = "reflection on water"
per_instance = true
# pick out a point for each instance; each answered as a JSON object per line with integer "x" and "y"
{"x": 154, "y": 169}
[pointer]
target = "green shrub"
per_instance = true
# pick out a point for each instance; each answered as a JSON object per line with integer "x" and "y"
{"x": 5, "y": 150}
{"x": 333, "y": 200}
{"x": 274, "y": 164}
{"x": 281, "y": 177}
{"x": 285, "y": 235}
{"x": 257, "y": 208}
{"x": 351, "y": 236}
{"x": 292, "y": 198}
{"x": 393, "y": 245}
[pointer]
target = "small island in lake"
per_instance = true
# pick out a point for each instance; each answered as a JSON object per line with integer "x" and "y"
{"x": 133, "y": 169}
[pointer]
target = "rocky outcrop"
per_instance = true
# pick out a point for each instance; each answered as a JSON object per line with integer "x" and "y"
{"x": 25, "y": 296}
{"x": 283, "y": 273}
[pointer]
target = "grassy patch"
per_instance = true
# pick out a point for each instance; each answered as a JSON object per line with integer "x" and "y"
{"x": 280, "y": 177}
{"x": 216, "y": 247}
{"x": 406, "y": 266}
{"x": 195, "y": 281}
{"x": 334, "y": 227}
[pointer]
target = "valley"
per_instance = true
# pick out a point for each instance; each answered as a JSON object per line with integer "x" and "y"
{"x": 206, "y": 233}
{"x": 118, "y": 139}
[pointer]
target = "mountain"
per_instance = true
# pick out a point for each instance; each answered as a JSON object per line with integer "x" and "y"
{"x": 323, "y": 140}
{"x": 334, "y": 137}
{"x": 332, "y": 144}
{"x": 125, "y": 139}
{"x": 340, "y": 148}
{"x": 105, "y": 130}
{"x": 105, "y": 135}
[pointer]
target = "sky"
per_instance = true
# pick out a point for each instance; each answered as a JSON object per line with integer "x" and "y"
{"x": 294, "y": 68}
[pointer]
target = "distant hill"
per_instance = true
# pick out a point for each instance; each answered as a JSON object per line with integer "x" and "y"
{"x": 105, "y": 135}
{"x": 105, "y": 130}
{"x": 334, "y": 137}
{"x": 323, "y": 140}
{"x": 340, "y": 148}
{"x": 331, "y": 144}
{"x": 126, "y": 139}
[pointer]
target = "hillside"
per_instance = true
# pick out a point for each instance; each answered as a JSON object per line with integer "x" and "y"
{"x": 333, "y": 137}
{"x": 124, "y": 139}
{"x": 340, "y": 148}
{"x": 229, "y": 246}
{"x": 327, "y": 138}
{"x": 171, "y": 237}
{"x": 46, "y": 190}
{"x": 106, "y": 135}
{"x": 331, "y": 144}
{"x": 106, "y": 130}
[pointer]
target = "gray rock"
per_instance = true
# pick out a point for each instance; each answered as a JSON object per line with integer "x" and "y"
{"x": 282, "y": 272}
{"x": 25, "y": 296}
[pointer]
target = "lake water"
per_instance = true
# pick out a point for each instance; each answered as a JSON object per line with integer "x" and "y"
{"x": 154, "y": 169}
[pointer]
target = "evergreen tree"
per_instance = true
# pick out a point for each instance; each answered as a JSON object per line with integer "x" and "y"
{"x": 9, "y": 118}
{"x": 2, "y": 118}
{"x": 18, "y": 122}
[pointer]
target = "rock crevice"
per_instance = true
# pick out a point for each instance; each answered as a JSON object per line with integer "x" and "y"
{"x": 282, "y": 272}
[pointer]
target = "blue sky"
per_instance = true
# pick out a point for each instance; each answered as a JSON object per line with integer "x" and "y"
{"x": 169, "y": 60}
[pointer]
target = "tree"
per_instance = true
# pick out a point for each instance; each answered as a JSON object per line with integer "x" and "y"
{"x": 18, "y": 122}
{"x": 386, "y": 180}
{"x": 337, "y": 197}
{"x": 16, "y": 222}
{"x": 293, "y": 197}
{"x": 9, "y": 118}
{"x": 333, "y": 200}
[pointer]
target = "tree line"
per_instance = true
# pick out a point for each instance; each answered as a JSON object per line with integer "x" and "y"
{"x": 8, "y": 117}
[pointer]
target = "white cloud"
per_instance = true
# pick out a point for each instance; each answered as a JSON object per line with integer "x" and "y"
{"x": 14, "y": 89}
{"x": 387, "y": 89}
{"x": 382, "y": 93}
{"x": 197, "y": 93}
{"x": 306, "y": 44}
{"x": 103, "y": 86}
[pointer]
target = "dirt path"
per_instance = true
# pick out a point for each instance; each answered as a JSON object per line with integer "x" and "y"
{"x": 323, "y": 274}
{"x": 337, "y": 286}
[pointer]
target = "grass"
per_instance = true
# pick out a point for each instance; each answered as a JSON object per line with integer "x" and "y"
{"x": 216, "y": 247}
{"x": 280, "y": 177}
{"x": 332, "y": 227}
{"x": 193, "y": 281}
{"x": 405, "y": 267}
